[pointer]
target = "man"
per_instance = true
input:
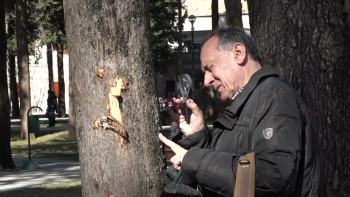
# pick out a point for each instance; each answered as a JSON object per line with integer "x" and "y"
{"x": 265, "y": 116}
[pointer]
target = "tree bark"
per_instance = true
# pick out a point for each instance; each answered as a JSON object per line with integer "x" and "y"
{"x": 234, "y": 13}
{"x": 61, "y": 97}
{"x": 214, "y": 14}
{"x": 308, "y": 44}
{"x": 112, "y": 73}
{"x": 50, "y": 66}
{"x": 5, "y": 148}
{"x": 72, "y": 134}
{"x": 23, "y": 64}
{"x": 12, "y": 72}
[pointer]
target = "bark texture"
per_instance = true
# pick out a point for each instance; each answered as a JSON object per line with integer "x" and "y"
{"x": 12, "y": 73}
{"x": 61, "y": 97}
{"x": 50, "y": 66}
{"x": 109, "y": 47}
{"x": 214, "y": 14}
{"x": 5, "y": 148}
{"x": 72, "y": 134}
{"x": 234, "y": 13}
{"x": 23, "y": 64}
{"x": 308, "y": 44}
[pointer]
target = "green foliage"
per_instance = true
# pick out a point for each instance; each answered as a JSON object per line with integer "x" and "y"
{"x": 10, "y": 6}
{"x": 163, "y": 29}
{"x": 50, "y": 19}
{"x": 11, "y": 36}
{"x": 46, "y": 22}
{"x": 34, "y": 24}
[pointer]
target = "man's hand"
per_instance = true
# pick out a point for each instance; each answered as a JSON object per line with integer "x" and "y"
{"x": 178, "y": 150}
{"x": 196, "y": 118}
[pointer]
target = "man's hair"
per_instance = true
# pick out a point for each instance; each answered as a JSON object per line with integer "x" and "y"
{"x": 229, "y": 36}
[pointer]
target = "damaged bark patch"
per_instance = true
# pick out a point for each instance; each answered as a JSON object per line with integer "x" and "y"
{"x": 114, "y": 121}
{"x": 101, "y": 72}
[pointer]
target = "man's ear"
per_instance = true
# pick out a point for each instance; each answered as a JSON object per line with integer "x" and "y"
{"x": 240, "y": 53}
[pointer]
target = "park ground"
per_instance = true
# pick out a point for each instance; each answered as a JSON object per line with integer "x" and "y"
{"x": 48, "y": 145}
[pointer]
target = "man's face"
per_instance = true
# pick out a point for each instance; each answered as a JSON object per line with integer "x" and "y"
{"x": 221, "y": 70}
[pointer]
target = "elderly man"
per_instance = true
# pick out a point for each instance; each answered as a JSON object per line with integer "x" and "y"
{"x": 265, "y": 116}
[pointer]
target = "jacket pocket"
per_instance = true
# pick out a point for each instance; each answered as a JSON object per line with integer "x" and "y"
{"x": 241, "y": 129}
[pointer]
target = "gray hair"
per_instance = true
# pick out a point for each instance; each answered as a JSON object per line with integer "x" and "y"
{"x": 229, "y": 36}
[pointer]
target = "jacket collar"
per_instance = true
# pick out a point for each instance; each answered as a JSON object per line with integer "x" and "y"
{"x": 225, "y": 119}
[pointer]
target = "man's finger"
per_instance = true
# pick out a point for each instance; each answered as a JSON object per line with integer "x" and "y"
{"x": 193, "y": 106}
{"x": 175, "y": 147}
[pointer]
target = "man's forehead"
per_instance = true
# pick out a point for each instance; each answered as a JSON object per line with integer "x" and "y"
{"x": 209, "y": 46}
{"x": 211, "y": 42}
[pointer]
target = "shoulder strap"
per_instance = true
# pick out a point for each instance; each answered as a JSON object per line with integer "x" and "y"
{"x": 245, "y": 177}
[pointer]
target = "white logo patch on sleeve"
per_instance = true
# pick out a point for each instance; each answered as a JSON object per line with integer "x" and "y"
{"x": 268, "y": 133}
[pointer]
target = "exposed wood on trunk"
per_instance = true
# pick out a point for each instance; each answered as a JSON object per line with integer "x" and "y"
{"x": 107, "y": 40}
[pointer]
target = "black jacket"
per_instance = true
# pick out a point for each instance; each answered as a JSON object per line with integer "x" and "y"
{"x": 269, "y": 119}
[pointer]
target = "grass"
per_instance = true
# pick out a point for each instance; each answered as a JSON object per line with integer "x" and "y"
{"x": 51, "y": 145}
{"x": 66, "y": 189}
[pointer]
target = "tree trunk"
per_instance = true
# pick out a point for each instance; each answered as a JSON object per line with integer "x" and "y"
{"x": 23, "y": 64}
{"x": 308, "y": 44}
{"x": 5, "y": 148}
{"x": 115, "y": 102}
{"x": 50, "y": 66}
{"x": 61, "y": 97}
{"x": 72, "y": 134}
{"x": 12, "y": 72}
{"x": 234, "y": 13}
{"x": 214, "y": 14}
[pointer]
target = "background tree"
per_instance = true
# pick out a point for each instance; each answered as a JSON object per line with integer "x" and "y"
{"x": 23, "y": 64}
{"x": 32, "y": 36}
{"x": 109, "y": 47}
{"x": 45, "y": 17}
{"x": 10, "y": 9}
{"x": 214, "y": 14}
{"x": 12, "y": 71}
{"x": 234, "y": 13}
{"x": 50, "y": 66}
{"x": 50, "y": 19}
{"x": 163, "y": 31}
{"x": 5, "y": 148}
{"x": 308, "y": 44}
{"x": 59, "y": 23}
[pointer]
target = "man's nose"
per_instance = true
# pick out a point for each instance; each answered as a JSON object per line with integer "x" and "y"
{"x": 208, "y": 79}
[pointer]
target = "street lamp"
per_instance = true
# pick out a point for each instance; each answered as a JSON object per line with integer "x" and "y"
{"x": 180, "y": 2}
{"x": 192, "y": 19}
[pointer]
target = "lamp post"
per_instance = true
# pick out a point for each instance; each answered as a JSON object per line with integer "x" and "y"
{"x": 192, "y": 19}
{"x": 180, "y": 2}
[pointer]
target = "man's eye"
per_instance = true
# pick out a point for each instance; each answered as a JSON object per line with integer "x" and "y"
{"x": 207, "y": 68}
